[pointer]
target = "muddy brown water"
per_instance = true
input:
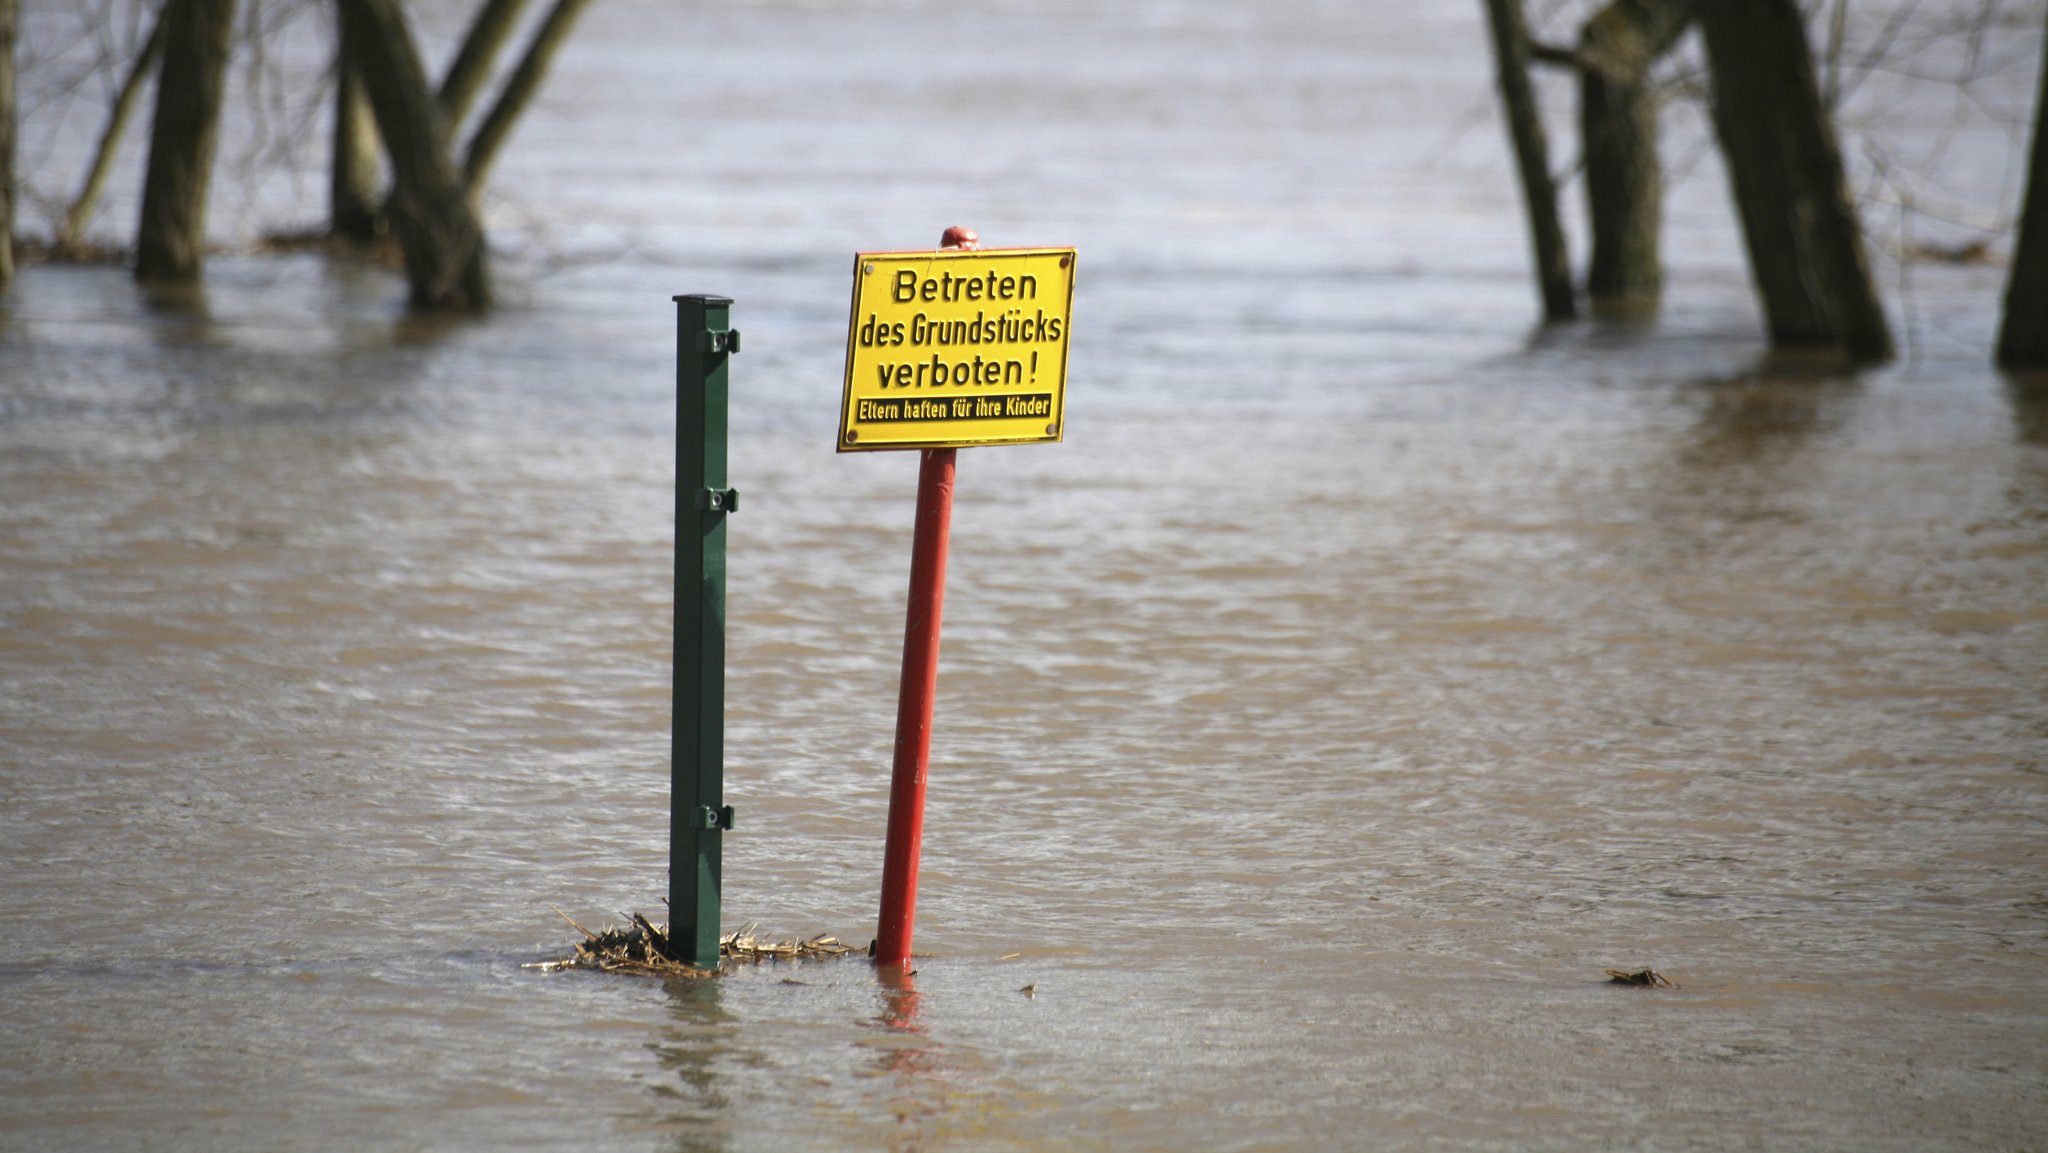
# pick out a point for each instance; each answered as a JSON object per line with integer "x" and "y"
{"x": 1365, "y": 675}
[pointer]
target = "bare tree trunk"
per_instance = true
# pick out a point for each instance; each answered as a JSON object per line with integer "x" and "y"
{"x": 2023, "y": 335}
{"x": 497, "y": 126}
{"x": 1532, "y": 155}
{"x": 465, "y": 79}
{"x": 171, "y": 242}
{"x": 354, "y": 205}
{"x": 8, "y": 15}
{"x": 429, "y": 211}
{"x": 1618, "y": 113}
{"x": 1805, "y": 243}
{"x": 79, "y": 214}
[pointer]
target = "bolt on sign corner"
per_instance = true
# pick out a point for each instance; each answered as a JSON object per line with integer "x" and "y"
{"x": 950, "y": 349}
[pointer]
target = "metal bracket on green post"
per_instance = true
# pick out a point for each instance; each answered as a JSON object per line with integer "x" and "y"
{"x": 698, "y": 814}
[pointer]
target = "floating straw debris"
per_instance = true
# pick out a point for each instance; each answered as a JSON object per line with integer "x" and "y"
{"x": 643, "y": 948}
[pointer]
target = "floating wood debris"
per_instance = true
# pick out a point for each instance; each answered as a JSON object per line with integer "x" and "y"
{"x": 643, "y": 948}
{"x": 1648, "y": 978}
{"x": 1971, "y": 252}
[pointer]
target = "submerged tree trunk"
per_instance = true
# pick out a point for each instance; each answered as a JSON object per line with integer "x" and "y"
{"x": 170, "y": 244}
{"x": 354, "y": 204}
{"x": 79, "y": 214}
{"x": 1532, "y": 155}
{"x": 2023, "y": 334}
{"x": 8, "y": 15}
{"x": 429, "y": 207}
{"x": 518, "y": 93}
{"x": 1618, "y": 114}
{"x": 1805, "y": 243}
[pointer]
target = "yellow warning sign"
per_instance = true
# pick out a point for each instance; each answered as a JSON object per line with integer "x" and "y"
{"x": 953, "y": 348}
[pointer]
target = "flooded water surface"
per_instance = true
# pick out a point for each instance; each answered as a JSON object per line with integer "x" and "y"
{"x": 1366, "y": 674}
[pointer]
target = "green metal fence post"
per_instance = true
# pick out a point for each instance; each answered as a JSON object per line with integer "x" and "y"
{"x": 698, "y": 814}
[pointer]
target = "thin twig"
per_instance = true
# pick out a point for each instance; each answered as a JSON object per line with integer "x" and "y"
{"x": 572, "y": 924}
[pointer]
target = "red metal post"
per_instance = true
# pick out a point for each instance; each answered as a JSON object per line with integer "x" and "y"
{"x": 914, "y": 704}
{"x": 920, "y": 688}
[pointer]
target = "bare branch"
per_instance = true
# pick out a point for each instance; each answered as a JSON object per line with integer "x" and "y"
{"x": 518, "y": 92}
{"x": 83, "y": 205}
{"x": 1557, "y": 56}
{"x": 472, "y": 66}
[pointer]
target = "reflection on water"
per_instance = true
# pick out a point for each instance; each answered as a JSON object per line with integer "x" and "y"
{"x": 1767, "y": 412}
{"x": 692, "y": 1049}
{"x": 180, "y": 310}
{"x": 908, "y": 1056}
{"x": 1360, "y": 680}
{"x": 2029, "y": 395}
{"x": 907, "y": 1052}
